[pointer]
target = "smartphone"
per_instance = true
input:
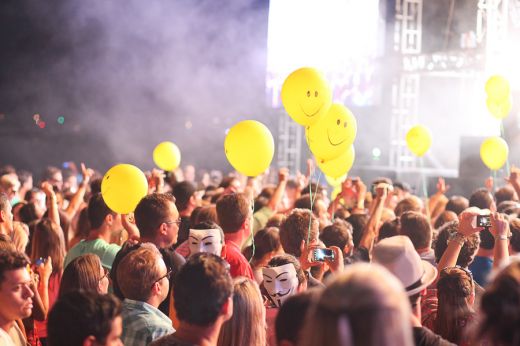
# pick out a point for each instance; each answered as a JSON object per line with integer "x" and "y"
{"x": 320, "y": 255}
{"x": 39, "y": 261}
{"x": 483, "y": 221}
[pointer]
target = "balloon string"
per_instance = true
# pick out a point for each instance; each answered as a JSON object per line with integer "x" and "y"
{"x": 502, "y": 133}
{"x": 317, "y": 186}
{"x": 312, "y": 203}
{"x": 423, "y": 178}
{"x": 424, "y": 187}
{"x": 310, "y": 216}
{"x": 252, "y": 233}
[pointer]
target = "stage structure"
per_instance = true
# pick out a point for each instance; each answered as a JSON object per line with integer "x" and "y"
{"x": 491, "y": 34}
{"x": 412, "y": 71}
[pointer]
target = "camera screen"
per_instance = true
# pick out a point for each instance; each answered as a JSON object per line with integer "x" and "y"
{"x": 483, "y": 221}
{"x": 322, "y": 254}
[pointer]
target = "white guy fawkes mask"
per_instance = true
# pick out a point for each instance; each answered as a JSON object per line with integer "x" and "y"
{"x": 280, "y": 282}
{"x": 205, "y": 240}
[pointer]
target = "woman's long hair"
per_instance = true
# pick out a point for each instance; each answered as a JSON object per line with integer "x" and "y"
{"x": 82, "y": 273}
{"x": 455, "y": 289}
{"x": 247, "y": 325}
{"x": 48, "y": 240}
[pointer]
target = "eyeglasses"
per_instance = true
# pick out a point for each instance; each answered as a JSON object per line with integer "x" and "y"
{"x": 167, "y": 275}
{"x": 177, "y": 222}
{"x": 106, "y": 274}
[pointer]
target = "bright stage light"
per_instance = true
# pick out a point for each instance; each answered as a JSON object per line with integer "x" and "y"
{"x": 339, "y": 37}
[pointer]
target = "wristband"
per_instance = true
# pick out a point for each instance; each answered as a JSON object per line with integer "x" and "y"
{"x": 502, "y": 237}
{"x": 458, "y": 237}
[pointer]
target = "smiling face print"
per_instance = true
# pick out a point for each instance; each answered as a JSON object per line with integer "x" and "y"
{"x": 306, "y": 96}
{"x": 333, "y": 134}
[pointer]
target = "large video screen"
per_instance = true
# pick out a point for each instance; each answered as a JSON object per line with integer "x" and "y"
{"x": 341, "y": 38}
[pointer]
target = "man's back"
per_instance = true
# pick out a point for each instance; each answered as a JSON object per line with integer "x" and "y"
{"x": 105, "y": 251}
{"x": 239, "y": 266}
{"x": 142, "y": 323}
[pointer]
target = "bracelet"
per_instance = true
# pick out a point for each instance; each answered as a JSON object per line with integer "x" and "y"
{"x": 458, "y": 237}
{"x": 502, "y": 237}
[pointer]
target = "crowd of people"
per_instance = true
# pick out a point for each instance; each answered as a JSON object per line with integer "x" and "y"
{"x": 231, "y": 261}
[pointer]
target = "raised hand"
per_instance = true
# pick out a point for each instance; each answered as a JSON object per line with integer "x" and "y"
{"x": 441, "y": 186}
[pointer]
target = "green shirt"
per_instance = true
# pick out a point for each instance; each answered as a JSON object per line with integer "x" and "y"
{"x": 260, "y": 219}
{"x": 105, "y": 251}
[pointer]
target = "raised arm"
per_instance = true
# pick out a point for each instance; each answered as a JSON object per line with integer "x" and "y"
{"x": 77, "y": 199}
{"x": 500, "y": 230}
{"x": 438, "y": 201}
{"x": 371, "y": 231}
{"x": 276, "y": 199}
{"x": 450, "y": 256}
{"x": 514, "y": 179}
{"x": 52, "y": 202}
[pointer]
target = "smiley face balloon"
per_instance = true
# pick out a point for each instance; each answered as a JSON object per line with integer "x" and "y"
{"x": 306, "y": 96}
{"x": 333, "y": 134}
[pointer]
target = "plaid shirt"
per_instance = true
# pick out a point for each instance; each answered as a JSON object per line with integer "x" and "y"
{"x": 142, "y": 323}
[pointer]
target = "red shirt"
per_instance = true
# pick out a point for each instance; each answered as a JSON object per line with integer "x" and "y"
{"x": 238, "y": 264}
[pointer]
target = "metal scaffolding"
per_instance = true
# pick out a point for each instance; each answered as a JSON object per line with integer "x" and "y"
{"x": 289, "y": 142}
{"x": 406, "y": 86}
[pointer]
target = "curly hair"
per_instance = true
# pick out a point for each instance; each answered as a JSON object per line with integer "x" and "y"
{"x": 468, "y": 250}
{"x": 11, "y": 260}
{"x": 296, "y": 228}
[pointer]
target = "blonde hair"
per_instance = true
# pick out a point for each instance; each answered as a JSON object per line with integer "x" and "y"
{"x": 363, "y": 306}
{"x": 247, "y": 325}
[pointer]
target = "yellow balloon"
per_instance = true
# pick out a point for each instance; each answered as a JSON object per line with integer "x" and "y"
{"x": 494, "y": 152}
{"x": 419, "y": 140}
{"x": 499, "y": 109}
{"x": 339, "y": 166}
{"x": 333, "y": 134}
{"x": 249, "y": 147}
{"x": 122, "y": 187}
{"x": 167, "y": 156}
{"x": 497, "y": 87}
{"x": 335, "y": 181}
{"x": 306, "y": 96}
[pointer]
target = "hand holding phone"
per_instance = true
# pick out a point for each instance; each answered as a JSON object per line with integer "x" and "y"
{"x": 39, "y": 261}
{"x": 321, "y": 254}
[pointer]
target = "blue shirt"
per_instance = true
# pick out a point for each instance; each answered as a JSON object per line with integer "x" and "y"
{"x": 480, "y": 268}
{"x": 142, "y": 323}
